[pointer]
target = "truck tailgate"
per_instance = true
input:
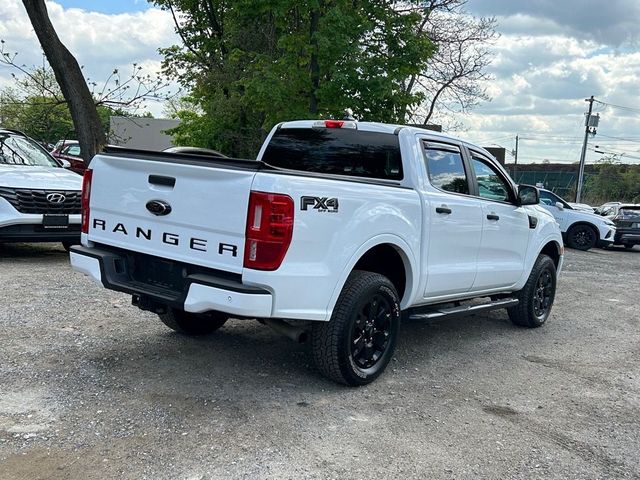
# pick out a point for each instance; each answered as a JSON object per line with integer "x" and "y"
{"x": 197, "y": 212}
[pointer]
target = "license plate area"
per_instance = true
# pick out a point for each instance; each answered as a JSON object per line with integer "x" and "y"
{"x": 55, "y": 221}
{"x": 159, "y": 273}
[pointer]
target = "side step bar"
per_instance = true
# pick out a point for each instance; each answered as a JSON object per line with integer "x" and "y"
{"x": 433, "y": 311}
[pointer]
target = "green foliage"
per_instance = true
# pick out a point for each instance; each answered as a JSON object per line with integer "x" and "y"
{"x": 252, "y": 63}
{"x": 612, "y": 181}
{"x": 35, "y": 106}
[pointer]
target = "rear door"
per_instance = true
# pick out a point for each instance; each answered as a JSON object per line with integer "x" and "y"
{"x": 193, "y": 211}
{"x": 452, "y": 225}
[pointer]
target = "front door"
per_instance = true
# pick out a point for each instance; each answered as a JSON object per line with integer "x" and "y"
{"x": 505, "y": 235}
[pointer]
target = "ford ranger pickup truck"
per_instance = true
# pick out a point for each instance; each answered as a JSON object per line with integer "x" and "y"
{"x": 335, "y": 231}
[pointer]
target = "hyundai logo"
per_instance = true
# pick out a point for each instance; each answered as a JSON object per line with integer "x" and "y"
{"x": 158, "y": 207}
{"x": 56, "y": 198}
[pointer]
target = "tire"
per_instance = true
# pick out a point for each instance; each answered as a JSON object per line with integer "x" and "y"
{"x": 356, "y": 345}
{"x": 582, "y": 237}
{"x": 193, "y": 324}
{"x": 67, "y": 244}
{"x": 536, "y": 298}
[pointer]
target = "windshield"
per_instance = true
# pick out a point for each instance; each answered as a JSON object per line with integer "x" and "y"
{"x": 628, "y": 212}
{"x": 19, "y": 150}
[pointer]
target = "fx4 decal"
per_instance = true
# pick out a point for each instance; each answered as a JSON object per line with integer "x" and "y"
{"x": 322, "y": 204}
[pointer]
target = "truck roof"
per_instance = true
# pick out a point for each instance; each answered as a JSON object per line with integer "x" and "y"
{"x": 375, "y": 127}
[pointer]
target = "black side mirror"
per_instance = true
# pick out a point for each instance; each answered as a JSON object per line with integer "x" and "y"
{"x": 528, "y": 195}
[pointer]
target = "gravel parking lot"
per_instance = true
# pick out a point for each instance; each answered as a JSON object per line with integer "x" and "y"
{"x": 93, "y": 388}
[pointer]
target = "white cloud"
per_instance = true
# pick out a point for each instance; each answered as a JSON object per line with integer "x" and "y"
{"x": 100, "y": 42}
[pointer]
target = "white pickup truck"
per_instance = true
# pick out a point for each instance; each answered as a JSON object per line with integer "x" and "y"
{"x": 335, "y": 230}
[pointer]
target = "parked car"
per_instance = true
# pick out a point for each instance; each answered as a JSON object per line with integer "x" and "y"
{"x": 627, "y": 220}
{"x": 581, "y": 230}
{"x": 337, "y": 225}
{"x": 583, "y": 207}
{"x": 206, "y": 152}
{"x": 39, "y": 199}
{"x": 604, "y": 206}
{"x": 69, "y": 150}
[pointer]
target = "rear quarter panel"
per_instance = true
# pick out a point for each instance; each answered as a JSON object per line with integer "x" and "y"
{"x": 327, "y": 243}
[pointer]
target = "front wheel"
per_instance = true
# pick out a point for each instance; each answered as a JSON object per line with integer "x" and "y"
{"x": 536, "y": 298}
{"x": 581, "y": 237}
{"x": 194, "y": 324}
{"x": 356, "y": 345}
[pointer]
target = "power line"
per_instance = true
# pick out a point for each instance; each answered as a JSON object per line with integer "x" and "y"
{"x": 622, "y": 107}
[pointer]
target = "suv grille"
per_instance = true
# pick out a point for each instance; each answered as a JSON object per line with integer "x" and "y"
{"x": 35, "y": 201}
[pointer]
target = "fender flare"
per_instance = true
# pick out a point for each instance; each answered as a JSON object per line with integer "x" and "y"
{"x": 405, "y": 252}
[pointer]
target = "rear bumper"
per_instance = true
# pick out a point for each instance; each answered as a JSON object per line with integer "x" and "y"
{"x": 627, "y": 237}
{"x": 193, "y": 292}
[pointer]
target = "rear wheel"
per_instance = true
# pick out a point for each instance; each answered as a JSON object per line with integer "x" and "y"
{"x": 67, "y": 244}
{"x": 581, "y": 237}
{"x": 356, "y": 345}
{"x": 194, "y": 324}
{"x": 536, "y": 298}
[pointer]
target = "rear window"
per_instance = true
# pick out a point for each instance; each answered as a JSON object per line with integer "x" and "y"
{"x": 338, "y": 151}
{"x": 628, "y": 212}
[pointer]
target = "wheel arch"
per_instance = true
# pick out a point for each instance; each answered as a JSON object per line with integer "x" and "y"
{"x": 587, "y": 224}
{"x": 553, "y": 250}
{"x": 388, "y": 255}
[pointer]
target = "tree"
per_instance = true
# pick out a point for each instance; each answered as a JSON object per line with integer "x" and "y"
{"x": 70, "y": 79}
{"x": 252, "y": 63}
{"x": 85, "y": 103}
{"x": 35, "y": 106}
{"x": 453, "y": 80}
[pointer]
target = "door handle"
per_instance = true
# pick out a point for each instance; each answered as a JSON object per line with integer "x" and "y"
{"x": 492, "y": 216}
{"x": 443, "y": 209}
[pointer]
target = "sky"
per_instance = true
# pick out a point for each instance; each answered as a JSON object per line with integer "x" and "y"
{"x": 551, "y": 55}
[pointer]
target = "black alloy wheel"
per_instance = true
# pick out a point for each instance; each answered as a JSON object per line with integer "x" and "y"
{"x": 543, "y": 296}
{"x": 536, "y": 297}
{"x": 371, "y": 332}
{"x": 581, "y": 237}
{"x": 355, "y": 346}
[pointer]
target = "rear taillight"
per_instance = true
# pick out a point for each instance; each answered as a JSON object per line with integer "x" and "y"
{"x": 269, "y": 230}
{"x": 86, "y": 195}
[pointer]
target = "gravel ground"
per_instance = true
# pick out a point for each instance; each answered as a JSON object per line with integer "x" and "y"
{"x": 93, "y": 388}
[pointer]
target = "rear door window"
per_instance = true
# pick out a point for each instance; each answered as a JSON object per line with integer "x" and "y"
{"x": 445, "y": 168}
{"x": 340, "y": 151}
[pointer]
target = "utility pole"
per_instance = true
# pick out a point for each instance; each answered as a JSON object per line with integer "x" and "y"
{"x": 587, "y": 130}
{"x": 515, "y": 160}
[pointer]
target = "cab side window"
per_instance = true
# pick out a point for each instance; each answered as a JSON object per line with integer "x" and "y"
{"x": 446, "y": 168}
{"x": 491, "y": 185}
{"x": 547, "y": 199}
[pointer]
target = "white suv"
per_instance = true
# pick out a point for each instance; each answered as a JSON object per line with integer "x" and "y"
{"x": 581, "y": 230}
{"x": 39, "y": 199}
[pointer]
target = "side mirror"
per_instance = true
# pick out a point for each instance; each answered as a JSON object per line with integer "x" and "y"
{"x": 65, "y": 163}
{"x": 528, "y": 195}
{"x": 560, "y": 206}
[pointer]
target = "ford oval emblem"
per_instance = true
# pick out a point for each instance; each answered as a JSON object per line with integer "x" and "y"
{"x": 158, "y": 207}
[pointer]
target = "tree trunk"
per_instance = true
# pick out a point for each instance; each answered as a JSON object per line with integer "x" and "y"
{"x": 72, "y": 83}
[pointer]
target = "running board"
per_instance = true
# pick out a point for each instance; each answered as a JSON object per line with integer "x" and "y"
{"x": 435, "y": 312}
